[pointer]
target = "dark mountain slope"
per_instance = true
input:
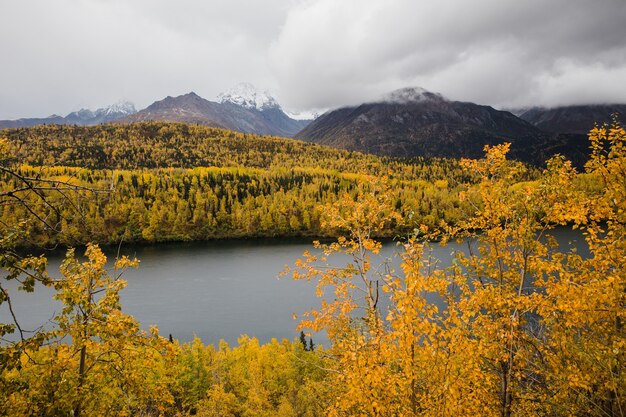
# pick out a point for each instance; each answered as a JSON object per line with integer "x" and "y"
{"x": 415, "y": 122}
{"x": 573, "y": 119}
{"x": 188, "y": 108}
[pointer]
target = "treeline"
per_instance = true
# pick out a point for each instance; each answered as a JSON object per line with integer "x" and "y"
{"x": 178, "y": 145}
{"x": 218, "y": 184}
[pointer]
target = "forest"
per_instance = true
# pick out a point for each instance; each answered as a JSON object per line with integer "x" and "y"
{"x": 525, "y": 327}
{"x": 157, "y": 182}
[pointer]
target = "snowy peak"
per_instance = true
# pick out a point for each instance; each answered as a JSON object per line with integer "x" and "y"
{"x": 102, "y": 115}
{"x": 411, "y": 95}
{"x": 241, "y": 109}
{"x": 120, "y": 108}
{"x": 246, "y": 95}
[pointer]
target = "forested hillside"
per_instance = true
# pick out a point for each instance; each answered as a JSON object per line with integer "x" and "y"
{"x": 167, "y": 182}
{"x": 522, "y": 327}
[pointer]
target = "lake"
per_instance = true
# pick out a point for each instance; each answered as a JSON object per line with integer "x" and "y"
{"x": 214, "y": 290}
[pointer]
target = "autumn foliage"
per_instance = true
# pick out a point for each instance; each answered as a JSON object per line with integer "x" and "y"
{"x": 516, "y": 325}
{"x": 174, "y": 182}
{"x": 523, "y": 327}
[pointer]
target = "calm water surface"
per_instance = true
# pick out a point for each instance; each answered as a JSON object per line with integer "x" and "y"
{"x": 212, "y": 290}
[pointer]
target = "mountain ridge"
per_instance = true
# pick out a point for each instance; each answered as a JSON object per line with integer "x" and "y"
{"x": 82, "y": 117}
{"x": 415, "y": 122}
{"x": 246, "y": 95}
{"x": 408, "y": 122}
{"x": 574, "y": 119}
{"x": 242, "y": 109}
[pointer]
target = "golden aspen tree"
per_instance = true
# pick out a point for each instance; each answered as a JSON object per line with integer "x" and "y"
{"x": 92, "y": 318}
{"x": 353, "y": 319}
{"x": 585, "y": 307}
{"x": 510, "y": 253}
{"x": 111, "y": 355}
{"x": 98, "y": 361}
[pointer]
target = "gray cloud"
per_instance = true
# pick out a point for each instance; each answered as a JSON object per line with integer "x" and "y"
{"x": 62, "y": 55}
{"x": 314, "y": 54}
{"x": 506, "y": 53}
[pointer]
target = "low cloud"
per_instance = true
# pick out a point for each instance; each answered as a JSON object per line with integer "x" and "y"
{"x": 505, "y": 53}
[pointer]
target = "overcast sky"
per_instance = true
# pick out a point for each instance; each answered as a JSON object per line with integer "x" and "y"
{"x": 58, "y": 56}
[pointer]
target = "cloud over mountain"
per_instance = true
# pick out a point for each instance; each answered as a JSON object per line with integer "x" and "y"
{"x": 501, "y": 52}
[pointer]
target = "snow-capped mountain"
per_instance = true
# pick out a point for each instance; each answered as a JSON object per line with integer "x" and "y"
{"x": 103, "y": 114}
{"x": 83, "y": 117}
{"x": 247, "y": 95}
{"x": 242, "y": 108}
{"x": 121, "y": 107}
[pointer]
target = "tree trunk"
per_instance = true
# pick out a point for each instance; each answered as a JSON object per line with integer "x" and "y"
{"x": 81, "y": 378}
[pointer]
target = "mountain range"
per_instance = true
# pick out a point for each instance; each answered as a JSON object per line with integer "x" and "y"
{"x": 405, "y": 123}
{"x": 572, "y": 119}
{"x": 415, "y": 122}
{"x": 242, "y": 108}
{"x": 83, "y": 117}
